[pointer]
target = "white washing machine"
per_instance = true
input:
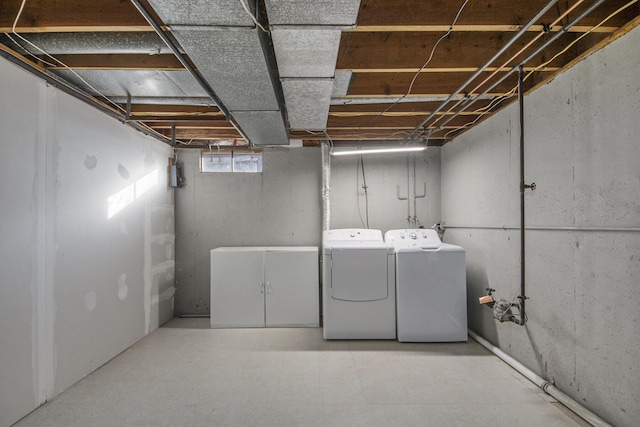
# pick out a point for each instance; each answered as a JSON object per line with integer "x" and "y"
{"x": 359, "y": 300}
{"x": 431, "y": 287}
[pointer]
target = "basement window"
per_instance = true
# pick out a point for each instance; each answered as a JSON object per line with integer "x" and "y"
{"x": 230, "y": 161}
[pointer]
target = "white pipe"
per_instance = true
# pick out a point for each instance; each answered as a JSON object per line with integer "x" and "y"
{"x": 547, "y": 228}
{"x": 326, "y": 187}
{"x": 547, "y": 386}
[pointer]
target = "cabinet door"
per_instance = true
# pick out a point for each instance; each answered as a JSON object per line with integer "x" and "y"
{"x": 237, "y": 291}
{"x": 292, "y": 297}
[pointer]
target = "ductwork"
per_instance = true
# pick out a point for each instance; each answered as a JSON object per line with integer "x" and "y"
{"x": 234, "y": 58}
{"x": 306, "y": 38}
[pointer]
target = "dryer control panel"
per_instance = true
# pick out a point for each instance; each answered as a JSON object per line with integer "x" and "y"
{"x": 417, "y": 237}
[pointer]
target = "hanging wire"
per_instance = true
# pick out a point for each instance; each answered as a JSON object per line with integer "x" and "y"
{"x": 498, "y": 99}
{"x": 415, "y": 76}
{"x": 570, "y": 45}
{"x": 359, "y": 165}
{"x": 252, "y": 16}
{"x": 13, "y": 31}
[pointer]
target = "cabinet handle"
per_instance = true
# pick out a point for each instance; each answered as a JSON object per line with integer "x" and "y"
{"x": 268, "y": 287}
{"x": 262, "y": 287}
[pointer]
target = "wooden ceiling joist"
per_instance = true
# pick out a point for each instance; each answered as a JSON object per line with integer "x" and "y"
{"x": 421, "y": 107}
{"x": 384, "y": 122}
{"x": 164, "y": 62}
{"x": 468, "y": 50}
{"x": 398, "y": 84}
{"x": 177, "y": 109}
{"x": 203, "y": 134}
{"x": 71, "y": 16}
{"x": 506, "y": 28}
{"x": 506, "y": 13}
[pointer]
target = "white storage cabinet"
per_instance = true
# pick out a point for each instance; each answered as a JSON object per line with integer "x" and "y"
{"x": 264, "y": 287}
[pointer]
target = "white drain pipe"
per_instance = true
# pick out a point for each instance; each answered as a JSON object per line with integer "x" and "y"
{"x": 545, "y": 385}
{"x": 326, "y": 187}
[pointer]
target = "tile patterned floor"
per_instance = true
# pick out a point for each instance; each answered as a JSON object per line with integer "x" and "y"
{"x": 185, "y": 374}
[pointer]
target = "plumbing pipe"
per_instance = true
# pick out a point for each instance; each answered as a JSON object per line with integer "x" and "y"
{"x": 547, "y": 228}
{"x": 415, "y": 194}
{"x": 546, "y": 386}
{"x": 504, "y": 48}
{"x": 508, "y": 61}
{"x": 506, "y": 75}
{"x": 522, "y": 297}
{"x": 326, "y": 187}
{"x": 408, "y": 192}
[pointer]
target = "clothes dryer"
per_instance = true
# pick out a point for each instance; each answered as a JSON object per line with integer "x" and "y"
{"x": 431, "y": 287}
{"x": 359, "y": 300}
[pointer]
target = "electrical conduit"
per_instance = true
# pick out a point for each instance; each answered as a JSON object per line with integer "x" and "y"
{"x": 547, "y": 386}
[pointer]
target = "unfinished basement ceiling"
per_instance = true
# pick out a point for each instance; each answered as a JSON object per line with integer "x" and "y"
{"x": 344, "y": 67}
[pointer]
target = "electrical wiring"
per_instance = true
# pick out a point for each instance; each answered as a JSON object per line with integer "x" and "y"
{"x": 513, "y": 57}
{"x": 330, "y": 141}
{"x": 245, "y": 6}
{"x": 415, "y": 76}
{"x": 511, "y": 93}
{"x": 499, "y": 99}
{"x": 13, "y": 31}
{"x": 592, "y": 29}
{"x": 28, "y": 52}
{"x": 360, "y": 163}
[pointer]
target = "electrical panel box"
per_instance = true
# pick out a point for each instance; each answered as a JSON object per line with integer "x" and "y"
{"x": 175, "y": 176}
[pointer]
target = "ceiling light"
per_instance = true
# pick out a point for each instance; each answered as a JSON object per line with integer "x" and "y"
{"x": 376, "y": 150}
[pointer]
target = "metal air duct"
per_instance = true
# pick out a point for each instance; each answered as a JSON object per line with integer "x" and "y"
{"x": 233, "y": 57}
{"x": 306, "y": 37}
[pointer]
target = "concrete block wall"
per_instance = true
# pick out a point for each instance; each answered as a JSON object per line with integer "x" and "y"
{"x": 582, "y": 241}
{"x": 80, "y": 282}
{"x": 386, "y": 177}
{"x": 279, "y": 207}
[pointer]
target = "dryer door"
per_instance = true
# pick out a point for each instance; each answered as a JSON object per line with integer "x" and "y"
{"x": 359, "y": 274}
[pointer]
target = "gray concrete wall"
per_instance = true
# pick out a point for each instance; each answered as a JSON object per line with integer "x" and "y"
{"x": 582, "y": 151}
{"x": 79, "y": 283}
{"x": 279, "y": 207}
{"x": 384, "y": 176}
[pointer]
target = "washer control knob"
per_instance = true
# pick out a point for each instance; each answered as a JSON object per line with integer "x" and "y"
{"x": 352, "y": 234}
{"x": 413, "y": 236}
{"x": 402, "y": 236}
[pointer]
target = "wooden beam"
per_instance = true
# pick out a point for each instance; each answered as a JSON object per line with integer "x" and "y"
{"x": 406, "y": 122}
{"x": 410, "y": 50}
{"x": 474, "y": 28}
{"x": 71, "y": 15}
{"x": 193, "y": 124}
{"x": 339, "y": 137}
{"x": 504, "y": 13}
{"x": 203, "y": 134}
{"x": 441, "y": 70}
{"x": 175, "y": 109}
{"x": 405, "y": 107}
{"x": 374, "y": 84}
{"x": 164, "y": 62}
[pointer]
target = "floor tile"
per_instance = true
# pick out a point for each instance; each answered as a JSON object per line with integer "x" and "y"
{"x": 188, "y": 374}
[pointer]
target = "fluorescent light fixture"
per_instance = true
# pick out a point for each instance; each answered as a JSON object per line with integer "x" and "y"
{"x": 376, "y": 150}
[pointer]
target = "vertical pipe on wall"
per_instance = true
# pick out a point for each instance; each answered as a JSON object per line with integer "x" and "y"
{"x": 326, "y": 187}
{"x": 415, "y": 195}
{"x": 408, "y": 193}
{"x": 522, "y": 188}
